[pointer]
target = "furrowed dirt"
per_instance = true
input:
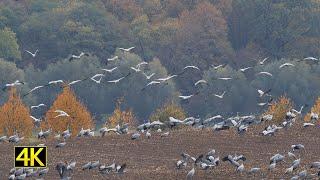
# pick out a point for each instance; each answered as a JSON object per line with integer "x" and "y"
{"x": 155, "y": 158}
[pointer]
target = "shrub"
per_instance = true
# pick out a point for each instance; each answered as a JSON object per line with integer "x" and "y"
{"x": 280, "y": 108}
{"x": 15, "y": 116}
{"x": 169, "y": 109}
{"x": 314, "y": 109}
{"x": 79, "y": 116}
{"x": 121, "y": 117}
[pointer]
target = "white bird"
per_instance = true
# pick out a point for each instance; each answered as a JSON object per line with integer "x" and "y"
{"x": 116, "y": 80}
{"x": 65, "y": 134}
{"x": 297, "y": 147}
{"x": 192, "y": 67}
{"x": 200, "y": 81}
{"x": 32, "y": 54}
{"x": 264, "y": 73}
{"x": 38, "y": 106}
{"x": 12, "y": 177}
{"x": 135, "y": 136}
{"x": 148, "y": 134}
{"x": 277, "y": 158}
{"x": 244, "y": 69}
{"x": 262, "y": 93}
{"x": 285, "y": 65}
{"x": 296, "y": 163}
{"x": 135, "y": 69}
{"x": 150, "y": 83}
{"x": 181, "y": 163}
{"x": 110, "y": 70}
{"x": 220, "y": 96}
{"x": 308, "y": 124}
{"x": 272, "y": 166}
{"x": 22, "y": 176}
{"x": 62, "y": 144}
{"x": 61, "y": 113}
{"x": 262, "y": 104}
{"x": 153, "y": 82}
{"x": 126, "y": 49}
{"x": 291, "y": 155}
{"x": 303, "y": 174}
{"x": 78, "y": 56}
{"x": 218, "y": 66}
{"x": 148, "y": 76}
{"x": 298, "y": 112}
{"x": 56, "y": 82}
{"x": 3, "y": 138}
{"x": 225, "y": 78}
{"x": 140, "y": 64}
{"x": 36, "y": 120}
{"x": 267, "y": 117}
{"x": 100, "y": 76}
{"x": 166, "y": 78}
{"x": 206, "y": 121}
{"x": 263, "y": 61}
{"x": 240, "y": 168}
{"x": 72, "y": 165}
{"x": 289, "y": 170}
{"x": 57, "y": 136}
{"x": 314, "y": 116}
{"x": 311, "y": 58}
{"x": 35, "y": 88}
{"x": 186, "y": 97}
{"x": 315, "y": 164}
{"x": 74, "y": 82}
{"x": 113, "y": 58}
{"x": 190, "y": 174}
{"x": 254, "y": 170}
{"x": 16, "y": 83}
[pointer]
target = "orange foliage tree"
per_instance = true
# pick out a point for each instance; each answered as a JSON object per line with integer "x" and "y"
{"x": 280, "y": 108}
{"x": 314, "y": 109}
{"x": 15, "y": 116}
{"x": 121, "y": 117}
{"x": 79, "y": 117}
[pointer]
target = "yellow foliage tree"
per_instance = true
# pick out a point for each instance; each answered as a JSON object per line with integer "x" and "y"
{"x": 280, "y": 108}
{"x": 169, "y": 109}
{"x": 15, "y": 116}
{"x": 121, "y": 117}
{"x": 314, "y": 109}
{"x": 79, "y": 117}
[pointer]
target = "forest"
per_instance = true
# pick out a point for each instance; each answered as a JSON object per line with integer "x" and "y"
{"x": 168, "y": 35}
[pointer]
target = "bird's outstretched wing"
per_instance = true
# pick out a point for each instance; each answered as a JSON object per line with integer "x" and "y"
{"x": 29, "y": 52}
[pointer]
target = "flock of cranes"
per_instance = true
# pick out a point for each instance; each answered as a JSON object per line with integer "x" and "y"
{"x": 216, "y": 123}
{"x": 97, "y": 78}
{"x": 211, "y": 160}
{"x": 202, "y": 162}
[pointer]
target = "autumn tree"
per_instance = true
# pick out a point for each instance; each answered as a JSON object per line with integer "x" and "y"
{"x": 202, "y": 35}
{"x": 15, "y": 116}
{"x": 121, "y": 117}
{"x": 170, "y": 109}
{"x": 78, "y": 118}
{"x": 201, "y": 40}
{"x": 314, "y": 109}
{"x": 280, "y": 108}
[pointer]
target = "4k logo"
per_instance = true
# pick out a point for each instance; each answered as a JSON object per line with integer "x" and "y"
{"x": 30, "y": 156}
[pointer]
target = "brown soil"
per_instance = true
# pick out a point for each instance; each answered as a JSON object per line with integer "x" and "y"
{"x": 155, "y": 158}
